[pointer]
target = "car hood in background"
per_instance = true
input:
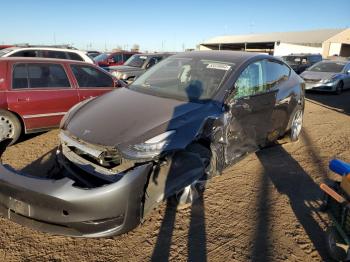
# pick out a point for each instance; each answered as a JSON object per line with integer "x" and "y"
{"x": 309, "y": 75}
{"x": 124, "y": 115}
{"x": 124, "y": 68}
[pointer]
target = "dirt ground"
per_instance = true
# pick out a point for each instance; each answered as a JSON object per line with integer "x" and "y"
{"x": 265, "y": 208}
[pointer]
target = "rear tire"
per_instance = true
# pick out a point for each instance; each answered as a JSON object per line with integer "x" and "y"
{"x": 10, "y": 127}
{"x": 297, "y": 124}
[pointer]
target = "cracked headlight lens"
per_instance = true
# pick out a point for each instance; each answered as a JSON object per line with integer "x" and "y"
{"x": 152, "y": 147}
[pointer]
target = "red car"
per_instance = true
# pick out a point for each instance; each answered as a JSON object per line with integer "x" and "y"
{"x": 35, "y": 93}
{"x": 113, "y": 59}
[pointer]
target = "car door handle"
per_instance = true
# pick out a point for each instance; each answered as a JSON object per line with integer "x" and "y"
{"x": 23, "y": 99}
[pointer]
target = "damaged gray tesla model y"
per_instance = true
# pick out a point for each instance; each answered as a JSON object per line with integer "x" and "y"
{"x": 180, "y": 123}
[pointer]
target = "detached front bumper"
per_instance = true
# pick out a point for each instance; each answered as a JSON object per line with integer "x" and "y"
{"x": 60, "y": 207}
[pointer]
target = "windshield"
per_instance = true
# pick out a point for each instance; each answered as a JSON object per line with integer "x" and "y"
{"x": 5, "y": 51}
{"x": 334, "y": 67}
{"x": 101, "y": 57}
{"x": 188, "y": 79}
{"x": 136, "y": 61}
{"x": 295, "y": 59}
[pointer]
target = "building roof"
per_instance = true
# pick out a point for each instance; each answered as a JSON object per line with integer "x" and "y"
{"x": 301, "y": 37}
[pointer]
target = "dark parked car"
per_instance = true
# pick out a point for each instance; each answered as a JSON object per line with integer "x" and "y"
{"x": 113, "y": 59}
{"x": 136, "y": 66}
{"x": 36, "y": 92}
{"x": 181, "y": 122}
{"x": 299, "y": 62}
{"x": 329, "y": 76}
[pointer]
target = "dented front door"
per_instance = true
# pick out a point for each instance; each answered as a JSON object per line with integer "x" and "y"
{"x": 249, "y": 114}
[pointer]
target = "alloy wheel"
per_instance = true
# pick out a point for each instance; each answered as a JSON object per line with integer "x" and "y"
{"x": 297, "y": 125}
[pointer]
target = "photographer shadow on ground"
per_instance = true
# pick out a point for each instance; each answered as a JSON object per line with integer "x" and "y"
{"x": 189, "y": 167}
{"x": 290, "y": 179}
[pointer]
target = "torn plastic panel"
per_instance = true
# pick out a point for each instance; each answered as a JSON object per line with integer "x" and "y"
{"x": 62, "y": 207}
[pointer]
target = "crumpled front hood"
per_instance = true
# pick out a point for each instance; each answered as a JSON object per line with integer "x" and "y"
{"x": 125, "y": 116}
{"x": 309, "y": 75}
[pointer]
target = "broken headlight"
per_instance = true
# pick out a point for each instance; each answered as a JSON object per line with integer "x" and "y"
{"x": 152, "y": 147}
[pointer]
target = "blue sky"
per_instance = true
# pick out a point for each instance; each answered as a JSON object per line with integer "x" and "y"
{"x": 159, "y": 25}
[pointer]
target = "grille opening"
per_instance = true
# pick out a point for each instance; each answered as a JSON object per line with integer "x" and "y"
{"x": 108, "y": 159}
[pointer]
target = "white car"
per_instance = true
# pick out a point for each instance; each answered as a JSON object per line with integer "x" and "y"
{"x": 46, "y": 52}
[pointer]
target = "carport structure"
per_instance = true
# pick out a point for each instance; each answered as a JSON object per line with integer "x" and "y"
{"x": 328, "y": 42}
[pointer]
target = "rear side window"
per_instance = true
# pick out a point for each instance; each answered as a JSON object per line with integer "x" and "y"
{"x": 54, "y": 54}
{"x": 315, "y": 59}
{"x": 74, "y": 56}
{"x": 276, "y": 73}
{"x": 118, "y": 58}
{"x": 26, "y": 53}
{"x": 20, "y": 76}
{"x": 39, "y": 76}
{"x": 127, "y": 56}
{"x": 88, "y": 76}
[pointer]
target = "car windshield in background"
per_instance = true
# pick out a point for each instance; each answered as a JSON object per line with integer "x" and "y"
{"x": 101, "y": 57}
{"x": 335, "y": 67}
{"x": 136, "y": 61}
{"x": 188, "y": 79}
{"x": 5, "y": 51}
{"x": 294, "y": 59}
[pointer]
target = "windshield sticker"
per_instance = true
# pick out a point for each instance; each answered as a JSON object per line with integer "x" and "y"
{"x": 219, "y": 66}
{"x": 143, "y": 57}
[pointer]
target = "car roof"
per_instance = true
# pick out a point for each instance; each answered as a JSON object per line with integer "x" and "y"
{"x": 303, "y": 54}
{"x": 236, "y": 57}
{"x": 344, "y": 62}
{"x": 16, "y": 48}
{"x": 156, "y": 54}
{"x": 46, "y": 60}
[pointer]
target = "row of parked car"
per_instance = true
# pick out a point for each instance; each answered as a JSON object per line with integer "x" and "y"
{"x": 321, "y": 75}
{"x": 39, "y": 84}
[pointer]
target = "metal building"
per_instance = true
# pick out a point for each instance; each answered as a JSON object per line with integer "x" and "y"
{"x": 328, "y": 42}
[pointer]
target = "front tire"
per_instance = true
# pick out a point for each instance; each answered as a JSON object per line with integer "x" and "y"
{"x": 339, "y": 88}
{"x": 10, "y": 127}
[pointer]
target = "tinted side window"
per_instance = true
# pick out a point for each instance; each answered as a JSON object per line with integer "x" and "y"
{"x": 19, "y": 76}
{"x": 55, "y": 54}
{"x": 88, "y": 76}
{"x": 26, "y": 53}
{"x": 127, "y": 56}
{"x": 74, "y": 56}
{"x": 276, "y": 73}
{"x": 252, "y": 80}
{"x": 118, "y": 58}
{"x": 153, "y": 61}
{"x": 314, "y": 59}
{"x": 47, "y": 76}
